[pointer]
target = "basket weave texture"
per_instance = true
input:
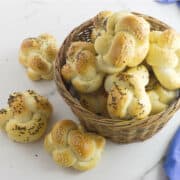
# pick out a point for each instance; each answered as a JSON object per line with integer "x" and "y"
{"x": 120, "y": 131}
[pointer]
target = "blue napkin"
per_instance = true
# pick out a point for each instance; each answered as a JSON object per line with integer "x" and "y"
{"x": 172, "y": 162}
{"x": 169, "y": 1}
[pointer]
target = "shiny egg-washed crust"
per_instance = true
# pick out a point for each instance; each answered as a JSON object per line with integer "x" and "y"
{"x": 127, "y": 97}
{"x": 164, "y": 57}
{"x": 25, "y": 119}
{"x": 37, "y": 55}
{"x": 72, "y": 147}
{"x": 80, "y": 67}
{"x": 125, "y": 42}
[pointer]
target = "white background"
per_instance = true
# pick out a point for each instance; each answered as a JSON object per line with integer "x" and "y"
{"x": 25, "y": 18}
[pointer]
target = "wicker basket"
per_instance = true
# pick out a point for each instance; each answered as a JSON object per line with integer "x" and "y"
{"x": 121, "y": 131}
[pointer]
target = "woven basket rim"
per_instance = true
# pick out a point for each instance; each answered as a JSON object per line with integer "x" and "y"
{"x": 115, "y": 122}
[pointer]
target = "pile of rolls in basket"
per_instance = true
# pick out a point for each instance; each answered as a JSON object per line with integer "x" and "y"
{"x": 120, "y": 74}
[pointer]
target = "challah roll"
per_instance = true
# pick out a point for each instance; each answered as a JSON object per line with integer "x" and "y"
{"x": 127, "y": 97}
{"x": 71, "y": 147}
{"x": 26, "y": 117}
{"x": 125, "y": 42}
{"x": 38, "y": 54}
{"x": 95, "y": 102}
{"x": 100, "y": 21}
{"x": 80, "y": 67}
{"x": 164, "y": 57}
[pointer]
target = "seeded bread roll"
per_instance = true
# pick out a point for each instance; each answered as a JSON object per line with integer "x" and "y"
{"x": 80, "y": 67}
{"x": 25, "y": 119}
{"x": 37, "y": 55}
{"x": 100, "y": 21}
{"x": 127, "y": 97}
{"x": 125, "y": 42}
{"x": 71, "y": 147}
{"x": 164, "y": 57}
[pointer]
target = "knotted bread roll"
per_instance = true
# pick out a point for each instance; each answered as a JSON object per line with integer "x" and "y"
{"x": 71, "y": 147}
{"x": 100, "y": 21}
{"x": 80, "y": 67}
{"x": 164, "y": 57}
{"x": 125, "y": 42}
{"x": 38, "y": 54}
{"x": 95, "y": 102}
{"x": 127, "y": 97}
{"x": 159, "y": 96}
{"x": 26, "y": 117}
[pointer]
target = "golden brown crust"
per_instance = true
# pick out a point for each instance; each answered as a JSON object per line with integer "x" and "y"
{"x": 119, "y": 51}
{"x": 29, "y": 44}
{"x": 127, "y": 97}
{"x": 60, "y": 131}
{"x": 5, "y": 115}
{"x": 65, "y": 157}
{"x": 134, "y": 25}
{"x": 46, "y": 36}
{"x": 38, "y": 64}
{"x": 81, "y": 144}
{"x": 67, "y": 72}
{"x": 80, "y": 67}
{"x": 38, "y": 54}
{"x": 118, "y": 101}
{"x": 16, "y": 102}
{"x": 26, "y": 118}
{"x": 71, "y": 147}
{"x": 78, "y": 46}
{"x": 124, "y": 43}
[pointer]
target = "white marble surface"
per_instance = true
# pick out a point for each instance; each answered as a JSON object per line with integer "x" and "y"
{"x": 23, "y": 18}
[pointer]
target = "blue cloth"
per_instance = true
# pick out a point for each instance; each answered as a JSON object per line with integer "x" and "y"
{"x": 166, "y": 1}
{"x": 172, "y": 162}
{"x": 169, "y": 1}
